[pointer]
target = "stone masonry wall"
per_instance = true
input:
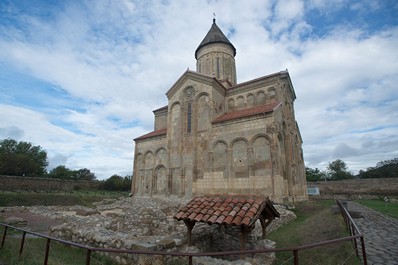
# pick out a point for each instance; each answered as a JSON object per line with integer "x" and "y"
{"x": 215, "y": 183}
{"x": 12, "y": 183}
{"x": 383, "y": 186}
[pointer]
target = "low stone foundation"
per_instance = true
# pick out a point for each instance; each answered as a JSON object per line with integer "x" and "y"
{"x": 148, "y": 224}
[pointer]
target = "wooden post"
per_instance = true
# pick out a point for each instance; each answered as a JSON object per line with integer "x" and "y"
{"x": 243, "y": 236}
{"x": 190, "y": 225}
{"x": 263, "y": 226}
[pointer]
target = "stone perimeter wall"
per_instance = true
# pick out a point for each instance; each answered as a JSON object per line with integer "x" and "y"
{"x": 13, "y": 183}
{"x": 382, "y": 186}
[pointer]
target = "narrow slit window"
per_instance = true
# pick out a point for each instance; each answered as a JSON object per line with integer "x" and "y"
{"x": 189, "y": 118}
{"x": 218, "y": 67}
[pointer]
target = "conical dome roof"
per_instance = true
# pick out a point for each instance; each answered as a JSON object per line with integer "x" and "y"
{"x": 214, "y": 35}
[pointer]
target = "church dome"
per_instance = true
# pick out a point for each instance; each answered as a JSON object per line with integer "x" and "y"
{"x": 214, "y": 35}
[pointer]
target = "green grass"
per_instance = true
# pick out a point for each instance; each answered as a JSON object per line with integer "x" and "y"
{"x": 390, "y": 209}
{"x": 315, "y": 222}
{"x": 34, "y": 252}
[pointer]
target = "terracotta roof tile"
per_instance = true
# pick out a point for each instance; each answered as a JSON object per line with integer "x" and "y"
{"x": 220, "y": 219}
{"x": 228, "y": 219}
{"x": 198, "y": 217}
{"x": 212, "y": 219}
{"x": 246, "y": 221}
{"x": 237, "y": 220}
{"x": 250, "y": 214}
{"x": 205, "y": 218}
{"x": 152, "y": 134}
{"x": 179, "y": 215}
{"x": 226, "y": 209}
{"x": 197, "y": 210}
{"x": 266, "y": 108}
{"x": 225, "y": 212}
{"x": 253, "y": 209}
{"x": 241, "y": 213}
{"x": 192, "y": 216}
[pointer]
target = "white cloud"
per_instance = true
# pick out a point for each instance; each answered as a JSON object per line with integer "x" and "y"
{"x": 118, "y": 59}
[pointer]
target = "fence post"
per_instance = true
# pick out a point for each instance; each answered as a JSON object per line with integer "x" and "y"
{"x": 88, "y": 256}
{"x": 296, "y": 259}
{"x": 22, "y": 243}
{"x": 355, "y": 240}
{"x": 4, "y": 236}
{"x": 190, "y": 260}
{"x": 47, "y": 251}
{"x": 365, "y": 262}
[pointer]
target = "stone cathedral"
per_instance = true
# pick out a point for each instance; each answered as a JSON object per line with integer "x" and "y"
{"x": 218, "y": 136}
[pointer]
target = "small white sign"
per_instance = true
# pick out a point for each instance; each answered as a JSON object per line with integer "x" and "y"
{"x": 313, "y": 191}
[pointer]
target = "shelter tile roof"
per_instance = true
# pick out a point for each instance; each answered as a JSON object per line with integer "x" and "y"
{"x": 228, "y": 209}
{"x": 152, "y": 134}
{"x": 262, "y": 109}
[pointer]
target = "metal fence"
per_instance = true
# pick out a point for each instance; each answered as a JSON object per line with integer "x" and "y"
{"x": 355, "y": 236}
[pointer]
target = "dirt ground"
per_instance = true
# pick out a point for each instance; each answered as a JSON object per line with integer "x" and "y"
{"x": 35, "y": 223}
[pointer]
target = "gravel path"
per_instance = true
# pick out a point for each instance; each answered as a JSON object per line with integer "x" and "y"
{"x": 380, "y": 233}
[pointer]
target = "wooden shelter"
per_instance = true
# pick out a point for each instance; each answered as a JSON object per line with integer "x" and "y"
{"x": 235, "y": 210}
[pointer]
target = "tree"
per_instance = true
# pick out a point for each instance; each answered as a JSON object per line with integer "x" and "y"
{"x": 84, "y": 174}
{"x": 314, "y": 174}
{"x": 22, "y": 159}
{"x": 61, "y": 172}
{"x": 338, "y": 170}
{"x": 383, "y": 169}
{"x": 127, "y": 183}
{"x": 117, "y": 183}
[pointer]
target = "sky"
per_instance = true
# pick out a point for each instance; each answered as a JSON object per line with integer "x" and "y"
{"x": 81, "y": 78}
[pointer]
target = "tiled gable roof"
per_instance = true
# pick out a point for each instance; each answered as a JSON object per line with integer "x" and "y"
{"x": 262, "y": 109}
{"x": 152, "y": 134}
{"x": 230, "y": 210}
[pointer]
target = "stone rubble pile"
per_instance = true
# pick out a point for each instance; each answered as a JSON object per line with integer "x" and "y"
{"x": 148, "y": 224}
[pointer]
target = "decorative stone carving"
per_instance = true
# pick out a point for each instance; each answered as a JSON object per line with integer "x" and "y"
{"x": 189, "y": 93}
